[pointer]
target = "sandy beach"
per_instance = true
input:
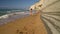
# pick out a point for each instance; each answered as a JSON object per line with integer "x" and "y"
{"x": 27, "y": 25}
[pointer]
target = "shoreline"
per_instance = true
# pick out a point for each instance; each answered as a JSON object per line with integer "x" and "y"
{"x": 8, "y": 18}
{"x": 13, "y": 16}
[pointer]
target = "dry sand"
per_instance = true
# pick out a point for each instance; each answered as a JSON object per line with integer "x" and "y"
{"x": 27, "y": 25}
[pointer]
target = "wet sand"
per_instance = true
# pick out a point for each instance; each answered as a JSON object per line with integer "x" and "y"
{"x": 27, "y": 25}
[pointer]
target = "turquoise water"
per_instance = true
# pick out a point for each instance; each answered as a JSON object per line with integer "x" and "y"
{"x": 7, "y": 11}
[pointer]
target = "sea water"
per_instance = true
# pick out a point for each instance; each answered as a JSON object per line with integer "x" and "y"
{"x": 7, "y": 15}
{"x": 7, "y": 11}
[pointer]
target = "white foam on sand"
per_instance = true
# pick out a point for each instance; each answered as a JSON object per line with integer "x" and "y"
{"x": 4, "y": 16}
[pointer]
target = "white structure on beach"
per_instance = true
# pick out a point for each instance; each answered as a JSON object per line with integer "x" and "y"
{"x": 50, "y": 14}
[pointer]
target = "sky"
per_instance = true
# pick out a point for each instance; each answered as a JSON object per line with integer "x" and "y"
{"x": 17, "y": 4}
